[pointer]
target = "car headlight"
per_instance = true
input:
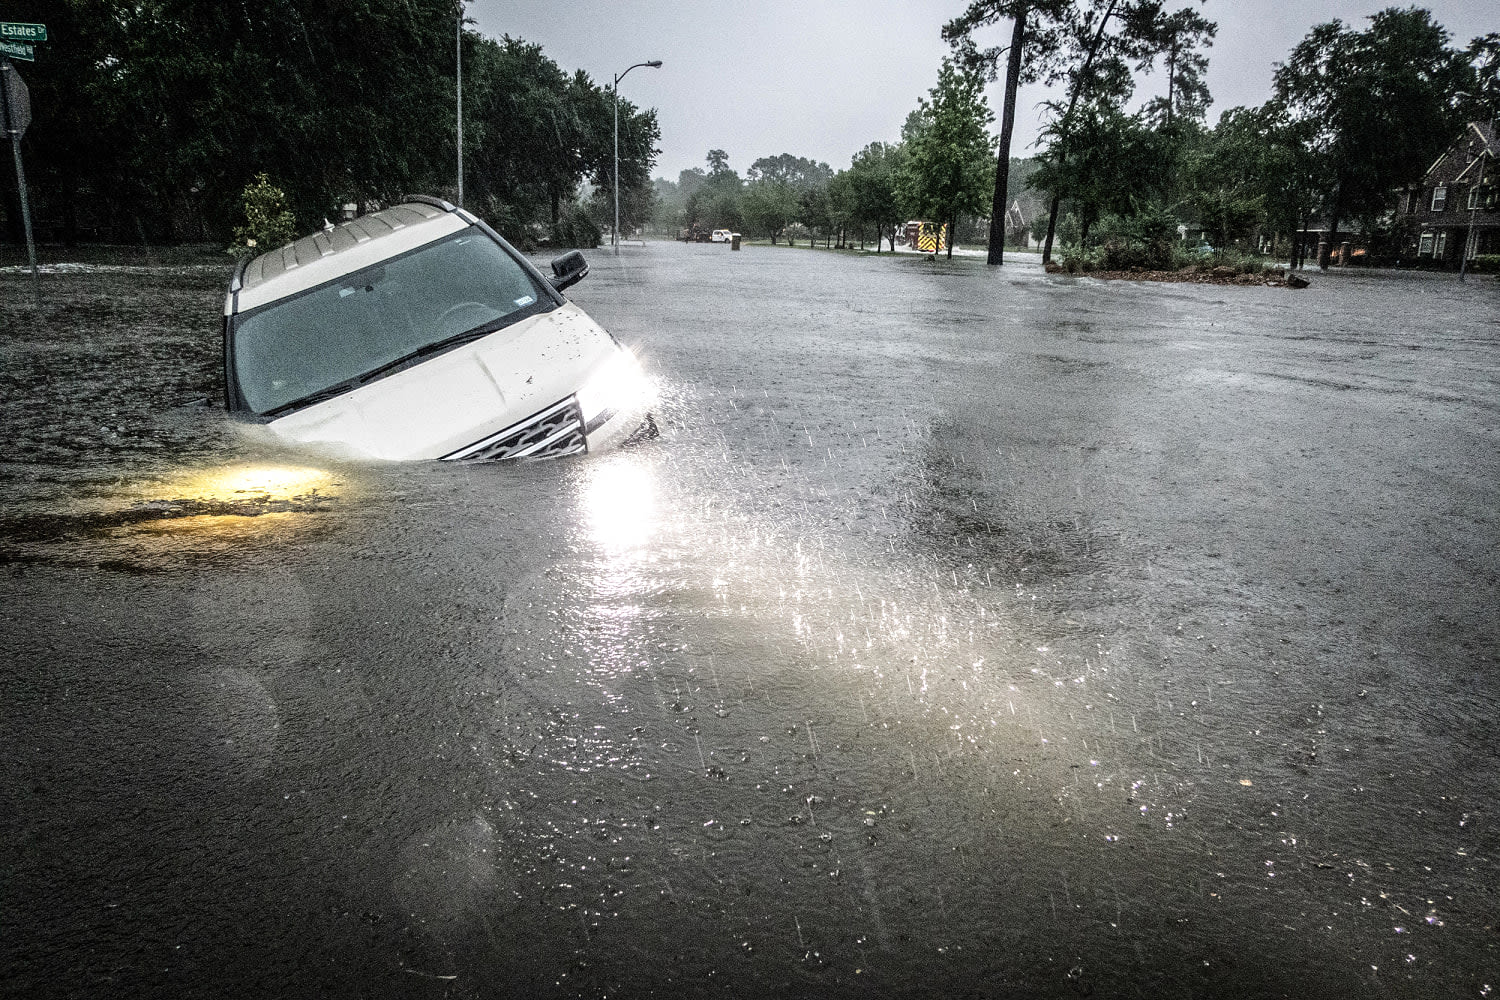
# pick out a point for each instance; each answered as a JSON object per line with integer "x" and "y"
{"x": 618, "y": 385}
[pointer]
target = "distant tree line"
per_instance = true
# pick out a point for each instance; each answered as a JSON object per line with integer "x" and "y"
{"x": 940, "y": 171}
{"x": 151, "y": 117}
{"x": 1354, "y": 115}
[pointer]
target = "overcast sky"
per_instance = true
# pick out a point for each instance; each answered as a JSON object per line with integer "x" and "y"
{"x": 823, "y": 78}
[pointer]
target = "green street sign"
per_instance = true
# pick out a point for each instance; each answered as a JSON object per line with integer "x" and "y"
{"x": 17, "y": 50}
{"x": 13, "y": 31}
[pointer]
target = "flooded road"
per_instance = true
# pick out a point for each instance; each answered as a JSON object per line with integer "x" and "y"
{"x": 966, "y": 632}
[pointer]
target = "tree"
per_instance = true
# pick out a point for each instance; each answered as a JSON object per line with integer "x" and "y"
{"x": 1038, "y": 22}
{"x": 539, "y": 132}
{"x": 778, "y": 190}
{"x": 1106, "y": 162}
{"x": 1179, "y": 38}
{"x": 1378, "y": 105}
{"x": 872, "y": 185}
{"x": 770, "y": 205}
{"x": 1254, "y": 167}
{"x": 718, "y": 203}
{"x": 1086, "y": 42}
{"x": 268, "y": 222}
{"x": 161, "y": 111}
{"x": 948, "y": 144}
{"x": 718, "y": 163}
{"x": 1480, "y": 101}
{"x": 842, "y": 208}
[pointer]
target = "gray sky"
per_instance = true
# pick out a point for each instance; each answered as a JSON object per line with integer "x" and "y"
{"x": 822, "y": 78}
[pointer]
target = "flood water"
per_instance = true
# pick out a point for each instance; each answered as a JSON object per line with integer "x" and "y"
{"x": 967, "y": 632}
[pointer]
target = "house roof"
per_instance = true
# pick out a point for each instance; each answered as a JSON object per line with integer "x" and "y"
{"x": 1484, "y": 133}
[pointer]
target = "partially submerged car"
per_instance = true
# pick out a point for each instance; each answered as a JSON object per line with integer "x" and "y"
{"x": 417, "y": 332}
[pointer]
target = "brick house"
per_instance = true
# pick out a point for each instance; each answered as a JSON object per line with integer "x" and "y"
{"x": 1455, "y": 208}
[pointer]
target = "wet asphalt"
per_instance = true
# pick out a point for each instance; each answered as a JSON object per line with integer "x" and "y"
{"x": 967, "y": 632}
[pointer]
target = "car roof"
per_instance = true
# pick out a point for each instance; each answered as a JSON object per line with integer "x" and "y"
{"x": 339, "y": 250}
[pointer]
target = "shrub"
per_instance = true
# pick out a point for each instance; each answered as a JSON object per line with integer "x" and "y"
{"x": 1486, "y": 263}
{"x": 575, "y": 228}
{"x": 1076, "y": 258}
{"x": 1242, "y": 261}
{"x": 1145, "y": 240}
{"x": 269, "y": 223}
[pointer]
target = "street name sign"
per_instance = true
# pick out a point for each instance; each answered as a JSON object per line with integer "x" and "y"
{"x": 14, "y": 31}
{"x": 17, "y": 50}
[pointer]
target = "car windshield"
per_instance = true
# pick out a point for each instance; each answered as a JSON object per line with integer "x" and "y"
{"x": 369, "y": 323}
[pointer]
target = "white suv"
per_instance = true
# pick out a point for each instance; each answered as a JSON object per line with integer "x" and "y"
{"x": 417, "y": 332}
{"x": 721, "y": 236}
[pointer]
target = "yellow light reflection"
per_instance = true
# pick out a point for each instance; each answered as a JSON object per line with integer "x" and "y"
{"x": 257, "y": 482}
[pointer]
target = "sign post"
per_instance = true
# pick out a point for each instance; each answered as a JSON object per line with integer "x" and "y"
{"x": 16, "y": 100}
{"x": 15, "y": 115}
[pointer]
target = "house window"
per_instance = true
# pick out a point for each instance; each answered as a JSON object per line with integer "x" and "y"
{"x": 1425, "y": 248}
{"x": 1440, "y": 248}
{"x": 1439, "y": 198}
{"x": 1481, "y": 198}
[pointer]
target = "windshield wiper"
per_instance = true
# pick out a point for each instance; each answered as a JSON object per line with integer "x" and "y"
{"x": 427, "y": 350}
{"x": 337, "y": 389}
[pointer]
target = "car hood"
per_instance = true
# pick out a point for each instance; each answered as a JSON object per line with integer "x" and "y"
{"x": 461, "y": 396}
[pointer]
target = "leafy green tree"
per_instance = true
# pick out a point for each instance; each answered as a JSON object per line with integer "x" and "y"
{"x": 1179, "y": 38}
{"x": 1378, "y": 104}
{"x": 1086, "y": 42}
{"x": 872, "y": 188}
{"x": 842, "y": 208}
{"x": 1036, "y": 42}
{"x": 718, "y": 203}
{"x": 159, "y": 112}
{"x": 797, "y": 171}
{"x": 718, "y": 163}
{"x": 540, "y": 132}
{"x": 1104, "y": 41}
{"x": 1481, "y": 98}
{"x": 948, "y": 168}
{"x": 1105, "y": 163}
{"x": 1254, "y": 168}
{"x": 268, "y": 222}
{"x": 815, "y": 210}
{"x": 777, "y": 188}
{"x": 770, "y": 205}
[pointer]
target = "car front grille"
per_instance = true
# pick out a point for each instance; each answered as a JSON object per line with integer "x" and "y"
{"x": 555, "y": 431}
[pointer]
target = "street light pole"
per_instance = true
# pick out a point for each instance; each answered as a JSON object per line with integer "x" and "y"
{"x": 614, "y": 234}
{"x": 459, "y": 62}
{"x": 1469, "y": 241}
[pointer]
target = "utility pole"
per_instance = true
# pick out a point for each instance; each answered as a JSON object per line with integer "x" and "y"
{"x": 459, "y": 62}
{"x": 1463, "y": 258}
{"x": 15, "y": 100}
{"x": 614, "y": 234}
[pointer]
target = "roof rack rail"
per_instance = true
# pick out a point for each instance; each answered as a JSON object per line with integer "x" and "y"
{"x": 427, "y": 199}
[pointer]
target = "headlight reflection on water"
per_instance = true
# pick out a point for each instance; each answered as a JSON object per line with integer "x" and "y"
{"x": 618, "y": 500}
{"x": 257, "y": 482}
{"x": 620, "y": 503}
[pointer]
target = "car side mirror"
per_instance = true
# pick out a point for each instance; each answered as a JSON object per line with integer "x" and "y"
{"x": 569, "y": 269}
